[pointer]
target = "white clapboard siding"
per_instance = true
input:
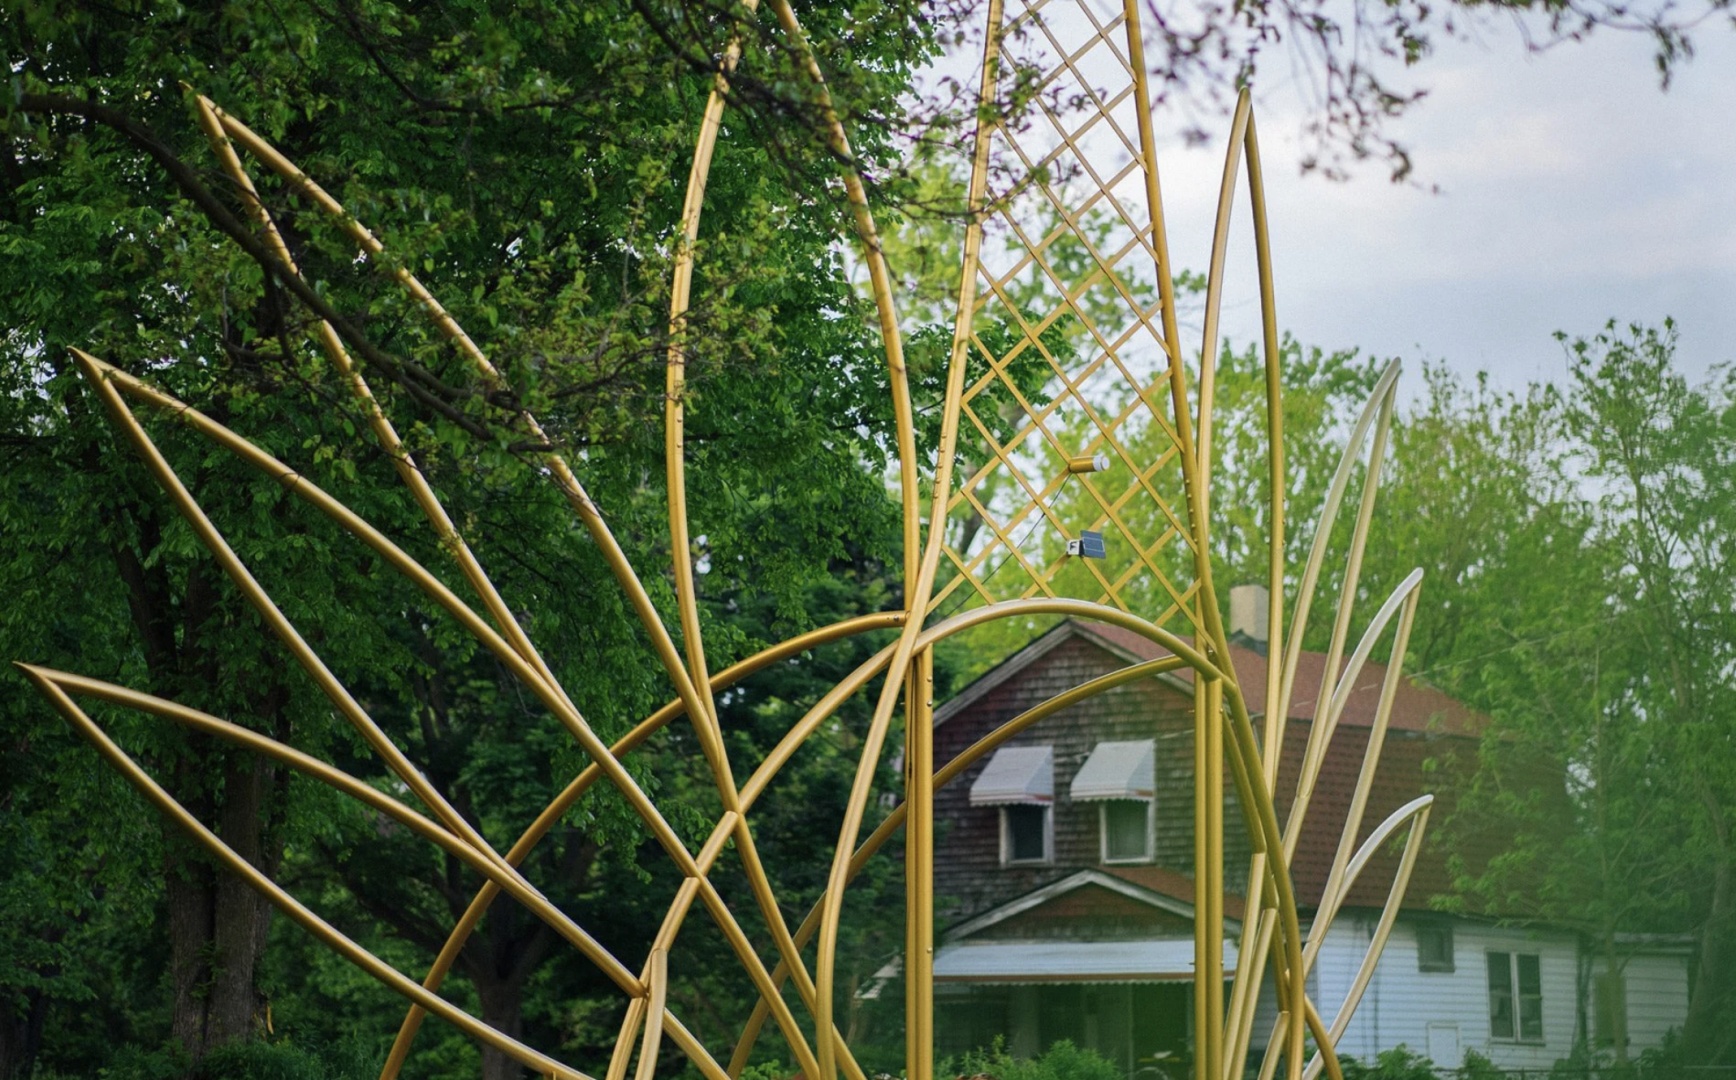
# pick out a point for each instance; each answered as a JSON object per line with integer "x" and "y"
{"x": 1442, "y": 1014}
{"x": 1657, "y": 994}
{"x": 1417, "y": 1009}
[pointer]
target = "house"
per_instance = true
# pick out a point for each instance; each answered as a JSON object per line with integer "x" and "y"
{"x": 1063, "y": 876}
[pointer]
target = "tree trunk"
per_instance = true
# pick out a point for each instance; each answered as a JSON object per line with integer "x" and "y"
{"x": 499, "y": 962}
{"x": 1613, "y": 965}
{"x": 188, "y": 895}
{"x": 217, "y": 924}
{"x": 1706, "y": 1038}
{"x": 21, "y": 1036}
{"x": 502, "y": 1009}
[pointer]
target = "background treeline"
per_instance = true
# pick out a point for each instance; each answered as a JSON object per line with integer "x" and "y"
{"x": 527, "y": 159}
{"x": 1575, "y": 540}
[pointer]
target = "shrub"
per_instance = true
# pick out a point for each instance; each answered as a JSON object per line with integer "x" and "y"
{"x": 1062, "y": 1061}
{"x": 1478, "y": 1067}
{"x": 1399, "y": 1063}
{"x": 247, "y": 1061}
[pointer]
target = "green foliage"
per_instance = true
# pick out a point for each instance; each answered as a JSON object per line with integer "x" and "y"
{"x": 1399, "y": 1063}
{"x": 1322, "y": 394}
{"x": 1478, "y": 1067}
{"x": 1061, "y": 1061}
{"x": 1595, "y": 628}
{"x": 268, "y": 1060}
{"x": 527, "y": 160}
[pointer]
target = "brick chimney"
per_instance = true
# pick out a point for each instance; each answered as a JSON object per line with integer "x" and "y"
{"x": 1248, "y": 611}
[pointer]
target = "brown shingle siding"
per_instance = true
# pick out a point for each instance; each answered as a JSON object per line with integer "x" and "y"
{"x": 968, "y": 874}
{"x": 969, "y": 877}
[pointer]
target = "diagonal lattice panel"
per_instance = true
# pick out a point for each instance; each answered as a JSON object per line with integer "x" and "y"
{"x": 1061, "y": 408}
{"x": 1067, "y": 361}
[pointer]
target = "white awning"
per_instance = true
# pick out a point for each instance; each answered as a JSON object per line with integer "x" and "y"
{"x": 1072, "y": 961}
{"x": 1016, "y": 774}
{"x": 1117, "y": 770}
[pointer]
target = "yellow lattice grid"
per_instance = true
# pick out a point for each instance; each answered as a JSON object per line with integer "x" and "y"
{"x": 1068, "y": 360}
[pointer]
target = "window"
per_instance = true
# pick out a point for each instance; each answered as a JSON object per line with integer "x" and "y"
{"x": 1435, "y": 946}
{"x": 1021, "y": 781}
{"x": 1126, "y": 830}
{"x": 1025, "y": 833}
{"x": 1500, "y": 995}
{"x": 1515, "y": 997}
{"x": 1120, "y": 777}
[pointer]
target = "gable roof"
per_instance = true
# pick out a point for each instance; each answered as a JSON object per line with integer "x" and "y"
{"x": 1164, "y": 890}
{"x": 1040, "y": 647}
{"x": 1421, "y": 715}
{"x": 1415, "y": 707}
{"x": 1401, "y": 777}
{"x": 1173, "y": 884}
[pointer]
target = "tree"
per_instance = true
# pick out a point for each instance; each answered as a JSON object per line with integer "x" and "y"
{"x": 558, "y": 137}
{"x": 104, "y": 578}
{"x": 1664, "y": 454}
{"x": 1203, "y": 54}
{"x": 1573, "y": 542}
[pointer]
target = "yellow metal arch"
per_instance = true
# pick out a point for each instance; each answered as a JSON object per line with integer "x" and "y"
{"x": 1065, "y": 367}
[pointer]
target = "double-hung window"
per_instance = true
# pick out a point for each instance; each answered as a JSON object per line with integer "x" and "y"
{"x": 1020, "y": 780}
{"x": 1127, "y": 830}
{"x": 1515, "y": 997}
{"x": 1026, "y": 834}
{"x": 1119, "y": 777}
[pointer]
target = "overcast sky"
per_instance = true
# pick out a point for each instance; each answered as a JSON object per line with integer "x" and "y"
{"x": 1572, "y": 190}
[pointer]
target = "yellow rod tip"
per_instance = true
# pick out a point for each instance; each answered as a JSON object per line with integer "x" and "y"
{"x": 90, "y": 365}
{"x": 41, "y": 676}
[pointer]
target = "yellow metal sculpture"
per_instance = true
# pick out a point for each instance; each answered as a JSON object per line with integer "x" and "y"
{"x": 1066, "y": 367}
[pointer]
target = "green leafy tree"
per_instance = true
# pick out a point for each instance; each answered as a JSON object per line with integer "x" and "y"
{"x": 527, "y": 161}
{"x": 1662, "y": 452}
{"x": 1574, "y": 545}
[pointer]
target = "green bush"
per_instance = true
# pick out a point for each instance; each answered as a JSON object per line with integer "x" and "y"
{"x": 247, "y": 1061}
{"x": 1665, "y": 1059}
{"x": 1399, "y": 1063}
{"x": 1062, "y": 1061}
{"x": 1478, "y": 1067}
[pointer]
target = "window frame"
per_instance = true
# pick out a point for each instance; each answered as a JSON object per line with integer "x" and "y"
{"x": 1103, "y": 834}
{"x": 1437, "y": 966}
{"x": 1048, "y": 858}
{"x": 1517, "y": 997}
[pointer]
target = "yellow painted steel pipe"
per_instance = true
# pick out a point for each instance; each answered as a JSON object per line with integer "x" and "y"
{"x": 1176, "y": 437}
{"x": 564, "y": 802}
{"x": 312, "y": 923}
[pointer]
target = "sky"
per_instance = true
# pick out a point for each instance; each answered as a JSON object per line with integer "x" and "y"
{"x": 1571, "y": 190}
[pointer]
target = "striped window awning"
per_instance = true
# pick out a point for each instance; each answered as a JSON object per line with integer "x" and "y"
{"x": 1118, "y": 770}
{"x": 1016, "y": 774}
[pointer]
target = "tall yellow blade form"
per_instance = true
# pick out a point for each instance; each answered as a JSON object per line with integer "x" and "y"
{"x": 1071, "y": 478}
{"x": 1067, "y": 353}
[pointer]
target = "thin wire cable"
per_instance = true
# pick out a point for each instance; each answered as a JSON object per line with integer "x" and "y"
{"x": 964, "y": 594}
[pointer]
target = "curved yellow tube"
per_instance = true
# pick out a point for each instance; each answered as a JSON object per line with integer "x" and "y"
{"x": 1225, "y": 739}
{"x": 319, "y": 928}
